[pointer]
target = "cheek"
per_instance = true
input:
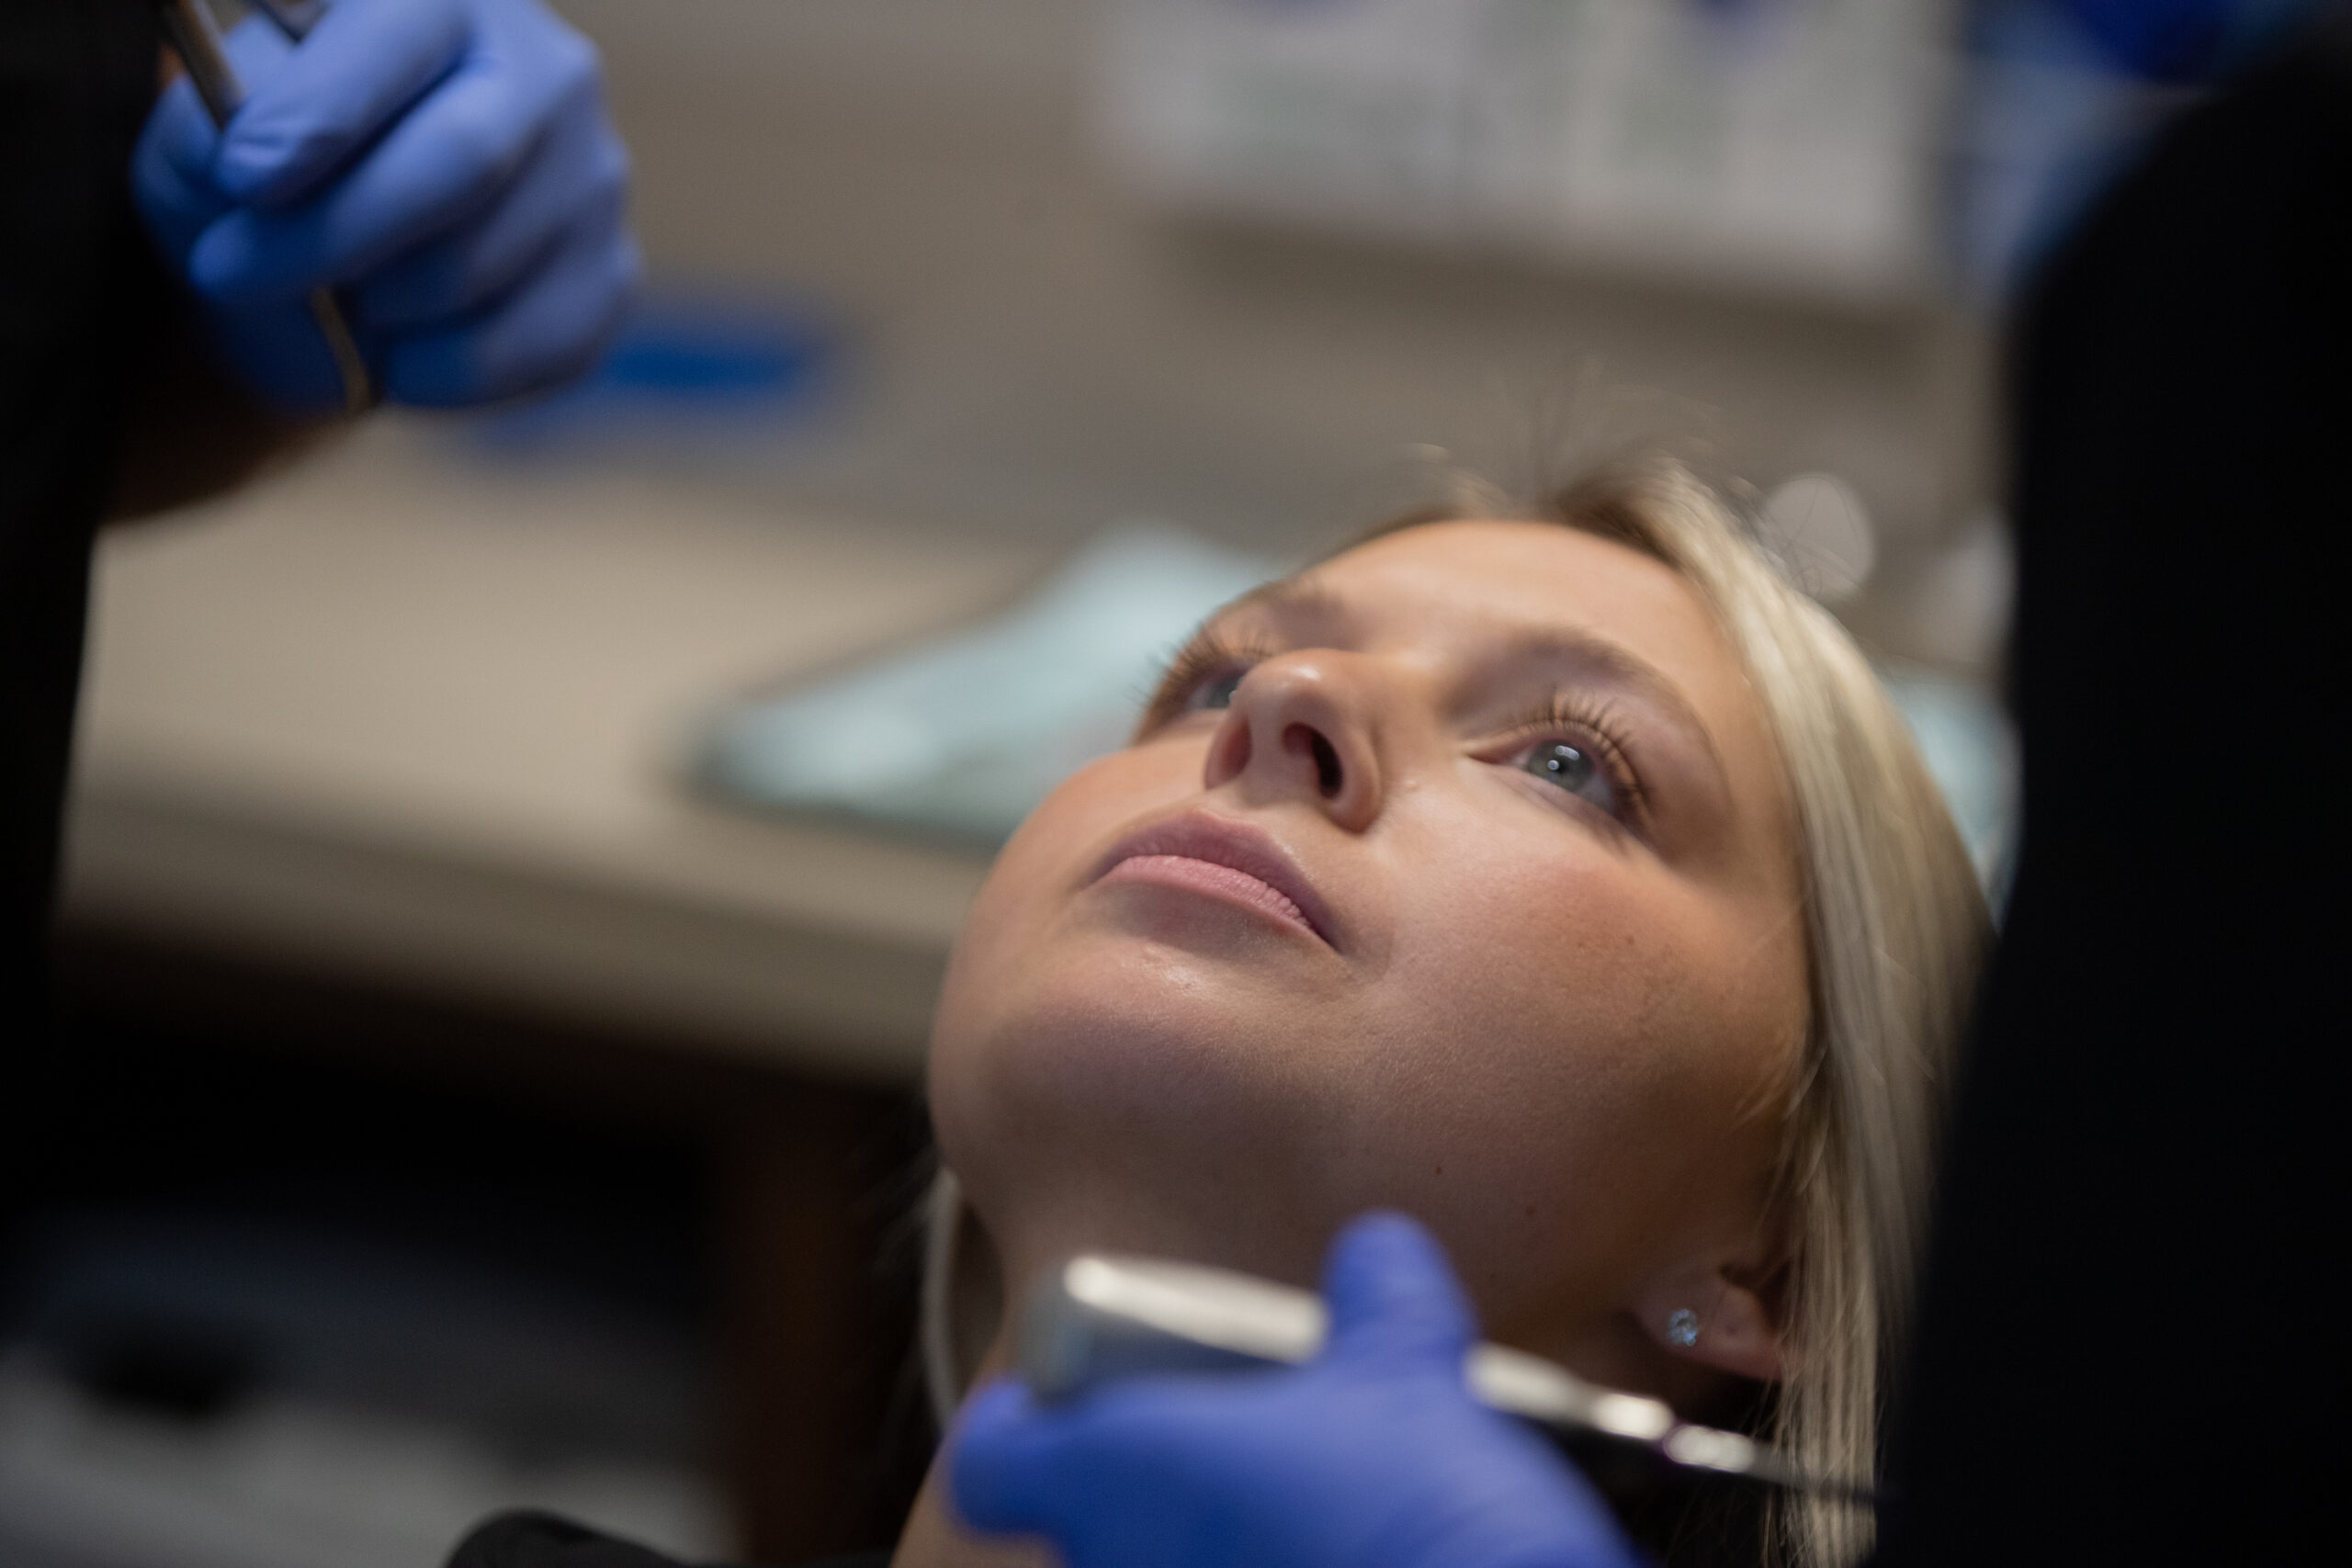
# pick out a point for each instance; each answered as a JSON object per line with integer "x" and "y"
{"x": 1048, "y": 857}
{"x": 999, "y": 966}
{"x": 1572, "y": 961}
{"x": 1574, "y": 1046}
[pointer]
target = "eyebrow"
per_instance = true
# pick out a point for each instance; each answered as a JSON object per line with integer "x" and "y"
{"x": 1294, "y": 595}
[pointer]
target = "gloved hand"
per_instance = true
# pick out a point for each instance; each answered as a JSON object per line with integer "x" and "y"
{"x": 1372, "y": 1454}
{"x": 446, "y": 164}
{"x": 2185, "y": 42}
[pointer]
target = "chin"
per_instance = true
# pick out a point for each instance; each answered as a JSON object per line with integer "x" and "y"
{"x": 1121, "y": 1029}
{"x": 1130, "y": 1080}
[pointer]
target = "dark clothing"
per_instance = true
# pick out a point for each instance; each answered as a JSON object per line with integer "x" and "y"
{"x": 80, "y": 300}
{"x": 2127, "y": 1351}
{"x": 542, "y": 1540}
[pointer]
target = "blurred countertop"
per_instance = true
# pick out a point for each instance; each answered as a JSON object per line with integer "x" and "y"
{"x": 404, "y": 719}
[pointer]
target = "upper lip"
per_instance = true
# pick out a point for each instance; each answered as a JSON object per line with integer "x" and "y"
{"x": 1220, "y": 840}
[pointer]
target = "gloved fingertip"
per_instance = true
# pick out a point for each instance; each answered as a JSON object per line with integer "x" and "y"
{"x": 555, "y": 330}
{"x": 1391, "y": 1289}
{"x": 988, "y": 1456}
{"x": 178, "y": 127}
{"x": 445, "y": 369}
{"x": 269, "y": 155}
{"x": 172, "y": 194}
{"x": 628, "y": 285}
{"x": 220, "y": 260}
{"x": 252, "y": 163}
{"x": 994, "y": 1405}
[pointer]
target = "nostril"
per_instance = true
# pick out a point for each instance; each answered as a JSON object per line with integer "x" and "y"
{"x": 1327, "y": 766}
{"x": 1305, "y": 738}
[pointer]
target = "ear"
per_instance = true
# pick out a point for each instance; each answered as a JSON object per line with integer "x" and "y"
{"x": 1718, "y": 1314}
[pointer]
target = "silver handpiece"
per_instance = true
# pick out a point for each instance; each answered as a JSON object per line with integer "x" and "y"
{"x": 189, "y": 28}
{"x": 1097, "y": 1319}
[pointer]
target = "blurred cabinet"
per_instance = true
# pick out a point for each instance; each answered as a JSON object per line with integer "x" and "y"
{"x": 1789, "y": 146}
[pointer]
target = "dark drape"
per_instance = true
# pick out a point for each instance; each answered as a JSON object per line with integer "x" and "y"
{"x": 2129, "y": 1351}
{"x": 80, "y": 300}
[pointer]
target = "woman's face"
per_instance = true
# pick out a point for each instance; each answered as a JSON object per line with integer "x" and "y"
{"x": 1456, "y": 875}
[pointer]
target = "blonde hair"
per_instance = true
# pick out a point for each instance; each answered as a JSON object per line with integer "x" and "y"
{"x": 1895, "y": 929}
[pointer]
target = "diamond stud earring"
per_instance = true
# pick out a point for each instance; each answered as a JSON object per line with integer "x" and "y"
{"x": 1682, "y": 1327}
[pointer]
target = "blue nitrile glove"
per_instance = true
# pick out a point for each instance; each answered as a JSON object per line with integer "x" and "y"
{"x": 2184, "y": 41}
{"x": 1371, "y": 1456}
{"x": 448, "y": 165}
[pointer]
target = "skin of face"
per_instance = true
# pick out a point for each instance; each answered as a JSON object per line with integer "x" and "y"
{"x": 1550, "y": 1010}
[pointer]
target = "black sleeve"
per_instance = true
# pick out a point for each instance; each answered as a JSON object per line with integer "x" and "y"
{"x": 2129, "y": 1348}
{"x": 79, "y": 298}
{"x": 543, "y": 1540}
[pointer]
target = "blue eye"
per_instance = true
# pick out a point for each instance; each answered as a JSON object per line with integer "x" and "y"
{"x": 1216, "y": 692}
{"x": 1573, "y": 769}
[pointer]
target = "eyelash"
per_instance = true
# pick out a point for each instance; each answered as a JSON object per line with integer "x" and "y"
{"x": 1582, "y": 718}
{"x": 1211, "y": 652}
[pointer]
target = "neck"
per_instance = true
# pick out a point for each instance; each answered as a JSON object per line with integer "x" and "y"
{"x": 935, "y": 1539}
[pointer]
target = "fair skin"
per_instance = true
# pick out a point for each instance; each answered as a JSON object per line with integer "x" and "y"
{"x": 1457, "y": 875}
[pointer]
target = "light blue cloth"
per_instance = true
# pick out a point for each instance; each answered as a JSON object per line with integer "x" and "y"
{"x": 966, "y": 734}
{"x": 1971, "y": 749}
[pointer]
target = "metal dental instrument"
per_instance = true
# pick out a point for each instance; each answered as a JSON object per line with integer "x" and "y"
{"x": 189, "y": 28}
{"x": 1097, "y": 1319}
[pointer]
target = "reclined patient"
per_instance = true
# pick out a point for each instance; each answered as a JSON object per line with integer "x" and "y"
{"x": 1560, "y": 876}
{"x": 1557, "y": 875}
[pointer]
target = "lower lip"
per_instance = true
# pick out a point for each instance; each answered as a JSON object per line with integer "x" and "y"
{"x": 1216, "y": 881}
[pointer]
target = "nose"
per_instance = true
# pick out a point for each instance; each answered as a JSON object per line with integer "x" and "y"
{"x": 1302, "y": 728}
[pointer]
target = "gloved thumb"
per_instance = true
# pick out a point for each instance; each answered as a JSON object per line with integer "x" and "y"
{"x": 1002, "y": 1458}
{"x": 1393, "y": 1297}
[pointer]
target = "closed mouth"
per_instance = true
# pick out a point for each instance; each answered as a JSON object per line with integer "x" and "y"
{"x": 1224, "y": 859}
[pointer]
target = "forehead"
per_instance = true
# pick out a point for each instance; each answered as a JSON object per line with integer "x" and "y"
{"x": 1538, "y": 576}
